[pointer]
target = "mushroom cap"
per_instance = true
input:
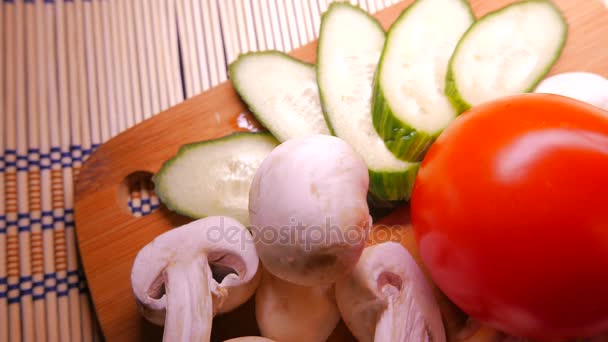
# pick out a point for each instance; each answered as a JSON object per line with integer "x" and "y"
{"x": 308, "y": 210}
{"x": 387, "y": 297}
{"x": 583, "y": 86}
{"x": 217, "y": 240}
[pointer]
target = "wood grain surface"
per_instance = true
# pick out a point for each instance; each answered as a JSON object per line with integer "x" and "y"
{"x": 109, "y": 236}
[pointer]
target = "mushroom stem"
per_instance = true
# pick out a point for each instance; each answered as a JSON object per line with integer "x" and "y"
{"x": 189, "y": 301}
{"x": 290, "y": 312}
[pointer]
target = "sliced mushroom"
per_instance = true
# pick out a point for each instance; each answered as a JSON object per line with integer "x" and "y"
{"x": 387, "y": 298}
{"x": 173, "y": 279}
{"x": 290, "y": 312}
{"x": 308, "y": 210}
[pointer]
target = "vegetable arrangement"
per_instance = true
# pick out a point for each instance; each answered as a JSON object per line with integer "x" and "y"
{"x": 377, "y": 112}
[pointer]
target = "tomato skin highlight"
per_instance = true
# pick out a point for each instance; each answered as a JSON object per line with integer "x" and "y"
{"x": 510, "y": 212}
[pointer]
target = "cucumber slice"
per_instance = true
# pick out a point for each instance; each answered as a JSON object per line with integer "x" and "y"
{"x": 410, "y": 108}
{"x": 213, "y": 177}
{"x": 350, "y": 44}
{"x": 506, "y": 52}
{"x": 281, "y": 92}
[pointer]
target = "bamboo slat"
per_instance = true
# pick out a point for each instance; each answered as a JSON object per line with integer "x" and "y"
{"x": 49, "y": 137}
{"x": 5, "y": 57}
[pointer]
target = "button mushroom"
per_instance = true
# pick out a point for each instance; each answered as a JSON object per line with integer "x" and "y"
{"x": 308, "y": 210}
{"x": 173, "y": 276}
{"x": 290, "y": 312}
{"x": 583, "y": 86}
{"x": 387, "y": 298}
{"x": 310, "y": 219}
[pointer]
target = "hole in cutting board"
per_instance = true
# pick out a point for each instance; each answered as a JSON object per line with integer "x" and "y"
{"x": 137, "y": 194}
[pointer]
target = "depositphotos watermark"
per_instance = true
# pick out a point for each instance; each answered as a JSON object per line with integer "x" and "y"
{"x": 306, "y": 236}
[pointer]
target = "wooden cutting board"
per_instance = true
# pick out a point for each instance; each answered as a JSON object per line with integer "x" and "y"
{"x": 109, "y": 236}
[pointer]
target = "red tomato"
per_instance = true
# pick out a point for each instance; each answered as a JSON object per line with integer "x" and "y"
{"x": 510, "y": 211}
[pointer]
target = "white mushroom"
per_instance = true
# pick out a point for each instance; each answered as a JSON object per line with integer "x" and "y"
{"x": 387, "y": 298}
{"x": 583, "y": 86}
{"x": 308, "y": 210}
{"x": 310, "y": 219}
{"x": 289, "y": 312}
{"x": 173, "y": 276}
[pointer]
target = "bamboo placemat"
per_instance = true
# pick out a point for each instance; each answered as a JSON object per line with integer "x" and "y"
{"x": 74, "y": 73}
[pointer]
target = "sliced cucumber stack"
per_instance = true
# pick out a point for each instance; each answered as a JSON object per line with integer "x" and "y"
{"x": 505, "y": 53}
{"x": 350, "y": 44}
{"x": 213, "y": 177}
{"x": 281, "y": 92}
{"x": 410, "y": 108}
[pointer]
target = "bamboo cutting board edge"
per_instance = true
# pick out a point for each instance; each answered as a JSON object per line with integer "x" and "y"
{"x": 109, "y": 237}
